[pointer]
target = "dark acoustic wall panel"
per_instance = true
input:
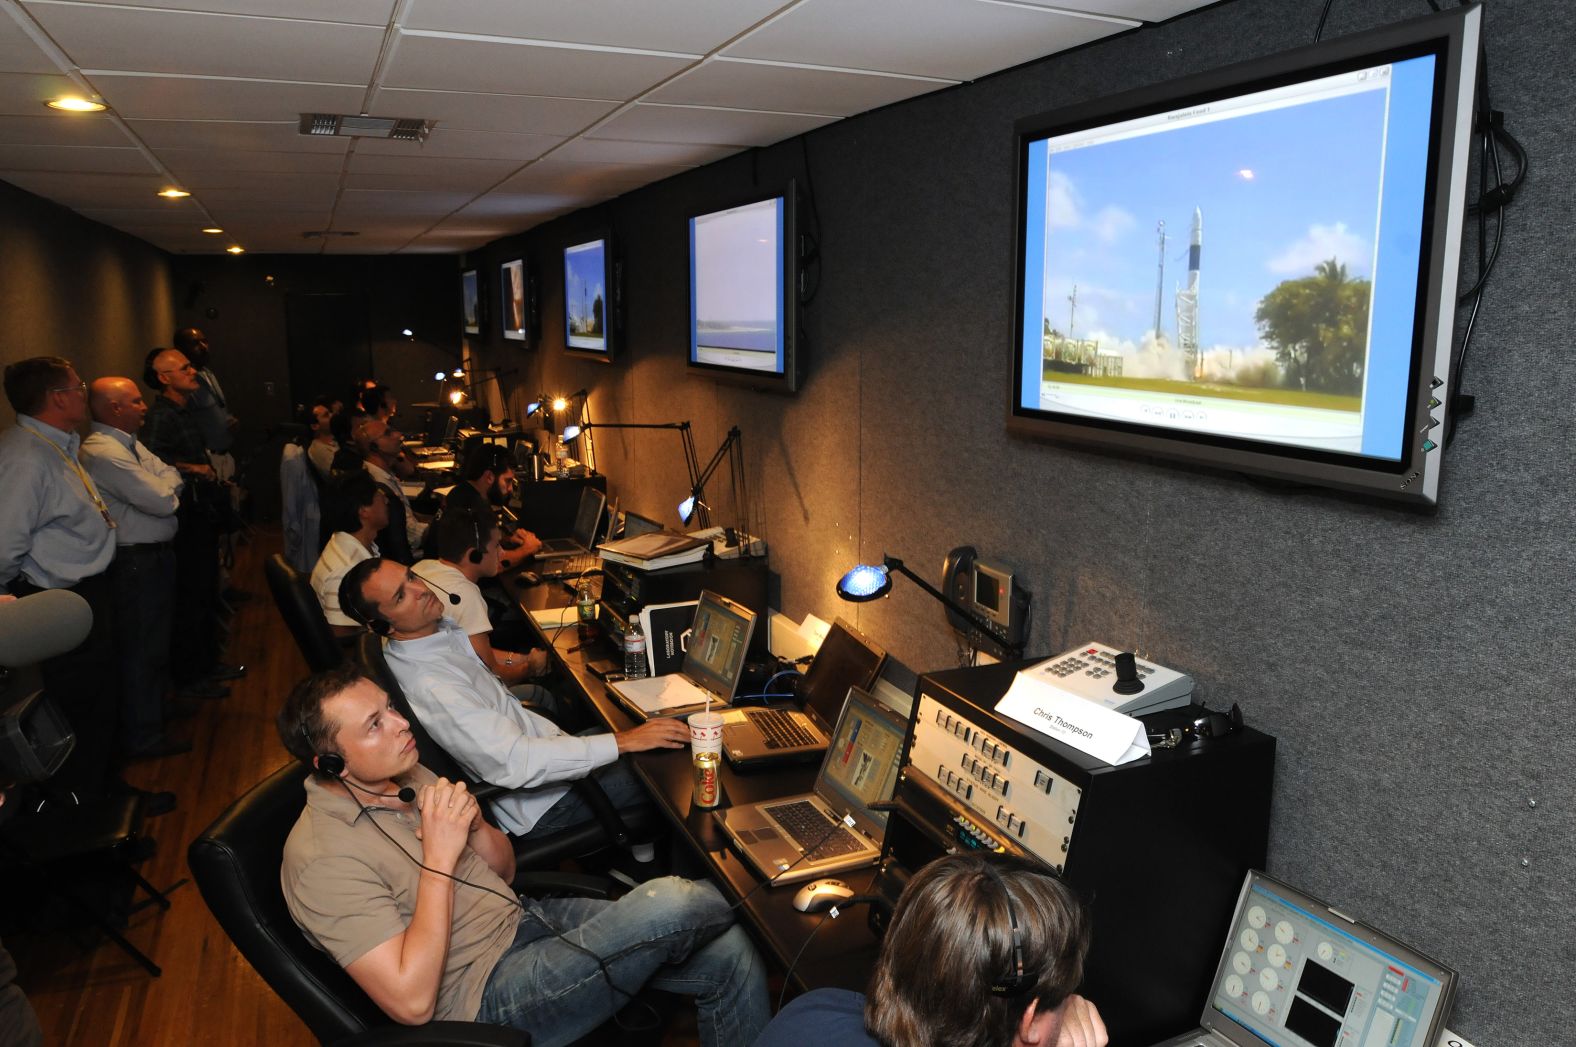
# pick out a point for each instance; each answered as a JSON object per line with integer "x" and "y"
{"x": 1414, "y": 668}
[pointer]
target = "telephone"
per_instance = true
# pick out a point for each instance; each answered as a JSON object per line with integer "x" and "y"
{"x": 989, "y": 590}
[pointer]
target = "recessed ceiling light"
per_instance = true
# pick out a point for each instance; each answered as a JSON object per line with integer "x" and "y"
{"x": 236, "y": 249}
{"x": 213, "y": 230}
{"x": 73, "y": 104}
{"x": 173, "y": 194}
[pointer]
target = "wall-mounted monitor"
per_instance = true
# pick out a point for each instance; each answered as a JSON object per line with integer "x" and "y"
{"x": 744, "y": 293}
{"x": 516, "y": 288}
{"x": 471, "y": 300}
{"x": 590, "y": 298}
{"x": 1254, "y": 269}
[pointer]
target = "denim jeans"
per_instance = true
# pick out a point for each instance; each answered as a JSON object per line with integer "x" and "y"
{"x": 616, "y": 779}
{"x": 673, "y": 934}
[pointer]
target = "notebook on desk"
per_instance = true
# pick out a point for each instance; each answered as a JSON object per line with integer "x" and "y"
{"x": 798, "y": 837}
{"x": 799, "y": 732}
{"x": 713, "y": 663}
{"x": 581, "y": 540}
{"x": 1296, "y": 973}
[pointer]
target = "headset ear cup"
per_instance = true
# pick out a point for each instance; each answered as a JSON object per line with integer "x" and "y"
{"x": 331, "y": 764}
{"x": 379, "y": 626}
{"x": 477, "y": 556}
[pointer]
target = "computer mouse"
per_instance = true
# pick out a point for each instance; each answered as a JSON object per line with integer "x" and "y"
{"x": 821, "y": 895}
{"x": 531, "y": 577}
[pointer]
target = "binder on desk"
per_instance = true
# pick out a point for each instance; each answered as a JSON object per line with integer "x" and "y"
{"x": 652, "y": 552}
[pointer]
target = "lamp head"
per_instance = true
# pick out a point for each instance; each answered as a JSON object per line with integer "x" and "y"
{"x": 532, "y": 407}
{"x": 865, "y": 582}
{"x": 407, "y": 332}
{"x": 569, "y": 433}
{"x": 559, "y": 403}
{"x": 458, "y": 372}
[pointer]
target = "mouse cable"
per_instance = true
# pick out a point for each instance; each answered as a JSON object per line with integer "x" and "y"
{"x": 832, "y": 913}
{"x": 847, "y": 822}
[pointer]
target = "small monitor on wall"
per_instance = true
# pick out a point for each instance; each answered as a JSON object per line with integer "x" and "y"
{"x": 1254, "y": 269}
{"x": 590, "y": 298}
{"x": 744, "y": 301}
{"x": 471, "y": 300}
{"x": 516, "y": 287}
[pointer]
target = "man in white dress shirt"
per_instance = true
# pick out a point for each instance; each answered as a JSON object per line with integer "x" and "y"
{"x": 360, "y": 510}
{"x": 469, "y": 712}
{"x": 383, "y": 452}
{"x": 143, "y": 493}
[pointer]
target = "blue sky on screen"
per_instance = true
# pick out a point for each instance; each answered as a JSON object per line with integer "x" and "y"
{"x": 1280, "y": 191}
{"x": 736, "y": 266}
{"x": 583, "y": 276}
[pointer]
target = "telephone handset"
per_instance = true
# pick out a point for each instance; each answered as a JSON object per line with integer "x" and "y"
{"x": 990, "y": 591}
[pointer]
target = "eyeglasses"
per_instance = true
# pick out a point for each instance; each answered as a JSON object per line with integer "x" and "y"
{"x": 1212, "y": 724}
{"x": 80, "y": 387}
{"x": 182, "y": 369}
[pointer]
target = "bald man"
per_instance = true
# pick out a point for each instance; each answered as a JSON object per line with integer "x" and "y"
{"x": 143, "y": 495}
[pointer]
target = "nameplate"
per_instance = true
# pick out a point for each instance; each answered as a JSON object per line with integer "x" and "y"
{"x": 1105, "y": 734}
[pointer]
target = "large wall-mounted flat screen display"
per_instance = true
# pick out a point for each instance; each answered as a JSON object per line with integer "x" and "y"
{"x": 743, "y": 293}
{"x": 589, "y": 298}
{"x": 1254, "y": 268}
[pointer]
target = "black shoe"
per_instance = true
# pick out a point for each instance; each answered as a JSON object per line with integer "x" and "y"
{"x": 204, "y": 689}
{"x": 222, "y": 673}
{"x": 159, "y": 747}
{"x": 153, "y": 803}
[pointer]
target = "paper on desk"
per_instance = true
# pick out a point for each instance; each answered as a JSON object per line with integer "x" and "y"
{"x": 1086, "y": 726}
{"x": 552, "y": 617}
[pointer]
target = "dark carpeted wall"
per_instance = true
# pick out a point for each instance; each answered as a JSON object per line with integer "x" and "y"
{"x": 1410, "y": 665}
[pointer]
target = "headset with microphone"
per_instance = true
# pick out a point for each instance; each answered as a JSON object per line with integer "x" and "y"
{"x": 358, "y": 607}
{"x": 1012, "y": 983}
{"x": 476, "y": 555}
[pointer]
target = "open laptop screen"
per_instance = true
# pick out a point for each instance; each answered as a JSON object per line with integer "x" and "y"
{"x": 1296, "y": 974}
{"x": 862, "y": 761}
{"x": 718, "y": 641}
{"x": 846, "y": 659}
{"x": 588, "y": 517}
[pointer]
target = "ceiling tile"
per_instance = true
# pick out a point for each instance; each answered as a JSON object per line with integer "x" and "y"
{"x": 554, "y": 175}
{"x": 152, "y": 41}
{"x": 362, "y": 12}
{"x": 735, "y": 127}
{"x": 82, "y": 129}
{"x": 241, "y": 222}
{"x": 505, "y": 204}
{"x": 953, "y": 39}
{"x": 147, "y": 217}
{"x": 139, "y": 96}
{"x": 1145, "y": 10}
{"x": 18, "y": 52}
{"x": 78, "y": 190}
{"x": 302, "y": 197}
{"x": 374, "y": 202}
{"x": 448, "y": 142}
{"x": 498, "y": 66}
{"x": 472, "y": 181}
{"x": 469, "y": 111}
{"x": 608, "y": 151}
{"x": 72, "y": 158}
{"x": 24, "y": 94}
{"x": 789, "y": 89}
{"x": 382, "y": 163}
{"x": 267, "y": 185}
{"x": 196, "y": 166}
{"x": 688, "y": 26}
{"x": 217, "y": 136}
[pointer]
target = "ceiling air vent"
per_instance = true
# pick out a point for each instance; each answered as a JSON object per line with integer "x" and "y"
{"x": 333, "y": 124}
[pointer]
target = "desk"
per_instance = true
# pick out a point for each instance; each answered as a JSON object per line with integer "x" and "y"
{"x": 844, "y": 950}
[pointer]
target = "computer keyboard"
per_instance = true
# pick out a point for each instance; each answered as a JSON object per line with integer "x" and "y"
{"x": 806, "y": 824}
{"x": 780, "y": 730}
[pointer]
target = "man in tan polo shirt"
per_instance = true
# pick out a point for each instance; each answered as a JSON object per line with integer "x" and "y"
{"x": 446, "y": 938}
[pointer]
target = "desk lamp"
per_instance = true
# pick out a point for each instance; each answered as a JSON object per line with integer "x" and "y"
{"x": 691, "y": 461}
{"x": 695, "y": 507}
{"x": 866, "y": 582}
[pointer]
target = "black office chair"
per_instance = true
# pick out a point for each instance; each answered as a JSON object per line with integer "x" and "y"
{"x": 236, "y": 865}
{"x": 608, "y": 828}
{"x": 297, "y": 603}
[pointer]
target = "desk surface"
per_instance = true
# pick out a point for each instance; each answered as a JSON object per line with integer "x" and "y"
{"x": 843, "y": 951}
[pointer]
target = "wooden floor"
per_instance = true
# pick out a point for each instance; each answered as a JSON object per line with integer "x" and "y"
{"x": 207, "y": 991}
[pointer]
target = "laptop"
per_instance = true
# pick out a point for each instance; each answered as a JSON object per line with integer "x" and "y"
{"x": 714, "y": 654}
{"x": 799, "y": 837}
{"x": 636, "y": 525}
{"x": 588, "y": 519}
{"x": 798, "y": 732}
{"x": 1296, "y": 973}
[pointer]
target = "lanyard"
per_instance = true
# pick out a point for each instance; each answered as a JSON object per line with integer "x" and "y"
{"x": 86, "y": 483}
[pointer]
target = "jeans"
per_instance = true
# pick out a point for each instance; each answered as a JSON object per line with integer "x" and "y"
{"x": 672, "y": 934}
{"x": 616, "y": 779}
{"x": 143, "y": 578}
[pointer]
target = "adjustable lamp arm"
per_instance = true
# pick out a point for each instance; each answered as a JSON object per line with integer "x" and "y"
{"x": 892, "y": 563}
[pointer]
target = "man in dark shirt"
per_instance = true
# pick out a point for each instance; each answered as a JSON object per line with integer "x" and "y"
{"x": 487, "y": 482}
{"x": 173, "y": 432}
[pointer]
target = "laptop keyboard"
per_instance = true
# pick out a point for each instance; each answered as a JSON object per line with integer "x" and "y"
{"x": 569, "y": 566}
{"x": 780, "y": 730}
{"x": 806, "y": 824}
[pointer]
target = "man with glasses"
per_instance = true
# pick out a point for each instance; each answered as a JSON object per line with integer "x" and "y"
{"x": 172, "y": 432}
{"x": 56, "y": 533}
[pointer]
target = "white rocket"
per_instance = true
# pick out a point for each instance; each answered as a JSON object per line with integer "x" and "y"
{"x": 1187, "y": 302}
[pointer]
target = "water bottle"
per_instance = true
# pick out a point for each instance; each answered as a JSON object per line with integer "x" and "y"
{"x": 561, "y": 459}
{"x": 634, "y": 652}
{"x": 585, "y": 614}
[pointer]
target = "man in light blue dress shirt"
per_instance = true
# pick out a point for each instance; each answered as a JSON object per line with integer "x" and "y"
{"x": 56, "y": 533}
{"x": 143, "y": 494}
